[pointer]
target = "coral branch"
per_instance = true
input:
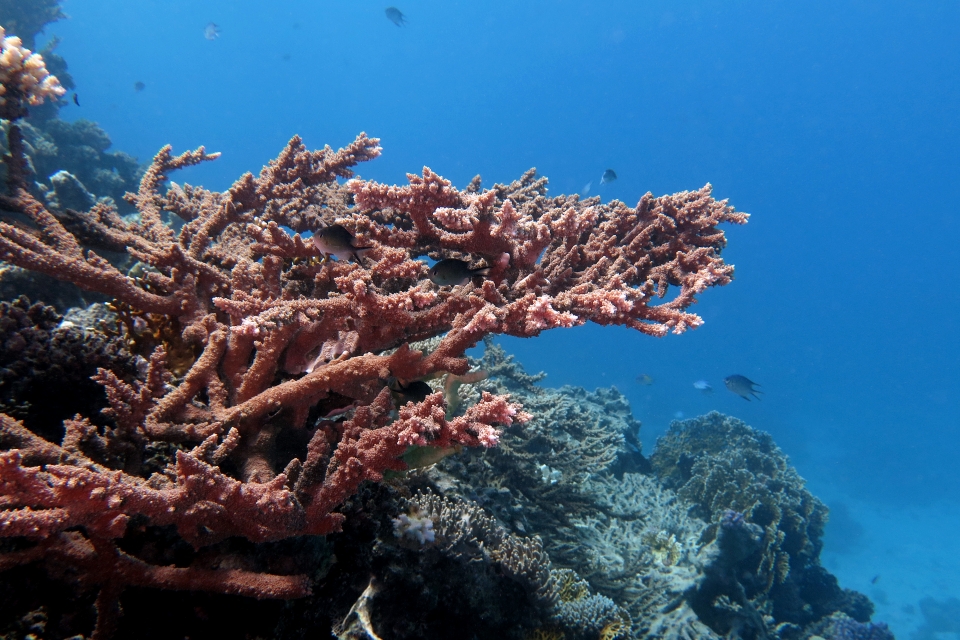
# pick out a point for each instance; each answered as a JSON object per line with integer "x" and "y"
{"x": 257, "y": 344}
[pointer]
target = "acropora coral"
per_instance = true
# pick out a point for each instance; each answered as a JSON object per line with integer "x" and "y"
{"x": 24, "y": 79}
{"x": 256, "y": 447}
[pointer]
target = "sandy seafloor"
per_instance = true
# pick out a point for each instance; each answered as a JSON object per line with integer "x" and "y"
{"x": 914, "y": 551}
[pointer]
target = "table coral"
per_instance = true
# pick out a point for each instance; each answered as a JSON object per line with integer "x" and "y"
{"x": 282, "y": 406}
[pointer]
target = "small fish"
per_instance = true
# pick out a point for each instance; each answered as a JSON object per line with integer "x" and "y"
{"x": 875, "y": 579}
{"x": 586, "y": 189}
{"x": 337, "y": 241}
{"x": 742, "y": 386}
{"x": 453, "y": 272}
{"x": 608, "y": 176}
{"x": 416, "y": 391}
{"x": 703, "y": 387}
{"x": 645, "y": 379}
{"x": 76, "y": 100}
{"x": 211, "y": 31}
{"x": 418, "y": 457}
{"x": 396, "y": 16}
{"x": 139, "y": 86}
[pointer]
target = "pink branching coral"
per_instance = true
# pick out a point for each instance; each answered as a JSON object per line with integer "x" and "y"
{"x": 24, "y": 79}
{"x": 286, "y": 339}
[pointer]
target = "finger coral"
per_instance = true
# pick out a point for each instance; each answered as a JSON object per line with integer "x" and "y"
{"x": 24, "y": 79}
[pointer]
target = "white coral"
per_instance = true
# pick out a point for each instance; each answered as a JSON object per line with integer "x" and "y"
{"x": 23, "y": 75}
{"x": 419, "y": 528}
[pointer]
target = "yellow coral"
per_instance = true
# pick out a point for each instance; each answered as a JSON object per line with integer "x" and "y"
{"x": 571, "y": 587}
{"x": 614, "y": 630}
{"x": 664, "y": 547}
{"x": 546, "y": 634}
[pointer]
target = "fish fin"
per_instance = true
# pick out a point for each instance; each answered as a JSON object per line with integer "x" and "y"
{"x": 358, "y": 252}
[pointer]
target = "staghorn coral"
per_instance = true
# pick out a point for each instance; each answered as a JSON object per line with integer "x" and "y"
{"x": 247, "y": 442}
{"x": 629, "y": 537}
{"x": 634, "y": 539}
{"x": 465, "y": 531}
{"x": 532, "y": 481}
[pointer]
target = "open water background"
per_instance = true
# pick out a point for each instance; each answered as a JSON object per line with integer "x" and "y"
{"x": 833, "y": 122}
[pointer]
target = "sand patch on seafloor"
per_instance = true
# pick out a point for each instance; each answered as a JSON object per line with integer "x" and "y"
{"x": 899, "y": 557}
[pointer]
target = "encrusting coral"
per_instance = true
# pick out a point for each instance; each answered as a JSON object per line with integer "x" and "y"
{"x": 259, "y": 448}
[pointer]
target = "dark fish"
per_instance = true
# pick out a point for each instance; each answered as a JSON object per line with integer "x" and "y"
{"x": 211, "y": 31}
{"x": 608, "y": 176}
{"x": 396, "y": 16}
{"x": 76, "y": 100}
{"x": 421, "y": 457}
{"x": 337, "y": 241}
{"x": 742, "y": 386}
{"x": 139, "y": 86}
{"x": 453, "y": 272}
{"x": 416, "y": 391}
{"x": 875, "y": 579}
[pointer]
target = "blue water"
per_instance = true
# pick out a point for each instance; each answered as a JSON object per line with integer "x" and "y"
{"x": 833, "y": 123}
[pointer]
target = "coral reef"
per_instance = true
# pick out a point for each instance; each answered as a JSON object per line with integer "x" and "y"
{"x": 28, "y": 19}
{"x": 43, "y": 356}
{"x": 24, "y": 79}
{"x": 67, "y": 164}
{"x": 266, "y": 397}
{"x": 628, "y": 537}
{"x": 840, "y": 627}
{"x": 632, "y": 538}
{"x": 738, "y": 479}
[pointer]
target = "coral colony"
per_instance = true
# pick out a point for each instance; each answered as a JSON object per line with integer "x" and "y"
{"x": 258, "y": 302}
{"x": 276, "y": 379}
{"x": 24, "y": 80}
